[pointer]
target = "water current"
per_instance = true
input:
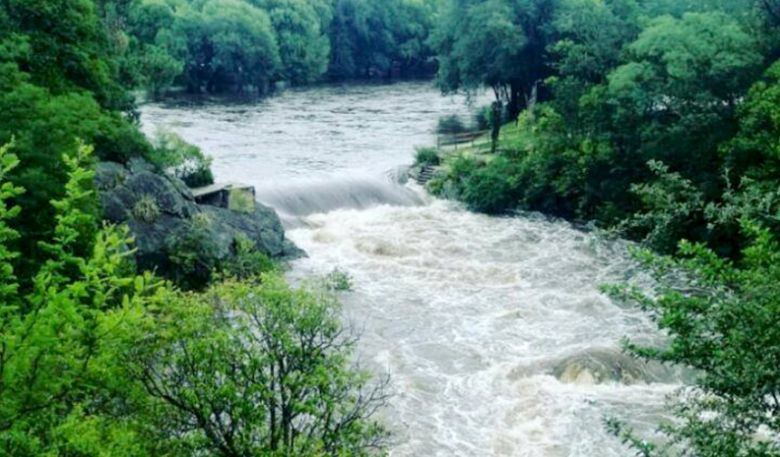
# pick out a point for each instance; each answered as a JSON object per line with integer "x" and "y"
{"x": 493, "y": 330}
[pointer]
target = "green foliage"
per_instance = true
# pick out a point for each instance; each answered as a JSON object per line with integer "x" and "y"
{"x": 183, "y": 160}
{"x": 247, "y": 261}
{"x": 498, "y": 44}
{"x": 541, "y": 168}
{"x": 492, "y": 187}
{"x": 57, "y": 87}
{"x": 370, "y": 39}
{"x": 238, "y": 45}
{"x": 450, "y": 124}
{"x": 721, "y": 319}
{"x": 8, "y": 211}
{"x": 75, "y": 217}
{"x": 671, "y": 204}
{"x": 59, "y": 364}
{"x": 241, "y": 200}
{"x": 63, "y": 46}
{"x": 258, "y": 368}
{"x": 146, "y": 209}
{"x": 669, "y": 96}
{"x": 230, "y": 45}
{"x": 193, "y": 254}
{"x": 755, "y": 151}
{"x": 427, "y": 156}
{"x": 675, "y": 100}
{"x": 338, "y": 280}
{"x": 304, "y": 46}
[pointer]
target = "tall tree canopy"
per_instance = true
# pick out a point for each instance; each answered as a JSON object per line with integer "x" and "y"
{"x": 500, "y": 44}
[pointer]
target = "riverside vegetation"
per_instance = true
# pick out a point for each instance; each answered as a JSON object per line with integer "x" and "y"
{"x": 98, "y": 355}
{"x": 659, "y": 120}
{"x": 657, "y": 117}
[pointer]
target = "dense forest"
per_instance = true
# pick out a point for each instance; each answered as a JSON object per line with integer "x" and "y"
{"x": 250, "y": 45}
{"x": 656, "y": 119}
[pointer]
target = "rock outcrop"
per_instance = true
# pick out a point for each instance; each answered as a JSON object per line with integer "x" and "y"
{"x": 160, "y": 209}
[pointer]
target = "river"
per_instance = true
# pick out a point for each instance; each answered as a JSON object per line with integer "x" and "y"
{"x": 494, "y": 333}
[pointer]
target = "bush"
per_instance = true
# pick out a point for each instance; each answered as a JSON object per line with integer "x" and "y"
{"x": 427, "y": 156}
{"x": 241, "y": 200}
{"x": 720, "y": 319}
{"x": 185, "y": 161}
{"x": 338, "y": 280}
{"x": 247, "y": 261}
{"x": 62, "y": 365}
{"x": 482, "y": 119}
{"x": 275, "y": 361}
{"x": 492, "y": 188}
{"x": 193, "y": 254}
{"x": 450, "y": 125}
{"x": 146, "y": 209}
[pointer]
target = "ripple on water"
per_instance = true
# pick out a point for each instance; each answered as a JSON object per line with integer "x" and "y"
{"x": 493, "y": 329}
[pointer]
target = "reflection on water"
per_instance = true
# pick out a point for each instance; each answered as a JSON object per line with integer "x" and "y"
{"x": 493, "y": 329}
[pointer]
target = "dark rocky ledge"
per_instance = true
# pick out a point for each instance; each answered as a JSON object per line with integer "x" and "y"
{"x": 158, "y": 207}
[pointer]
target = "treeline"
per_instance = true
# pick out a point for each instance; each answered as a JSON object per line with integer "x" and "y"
{"x": 618, "y": 102}
{"x": 659, "y": 120}
{"x": 99, "y": 359}
{"x": 242, "y": 45}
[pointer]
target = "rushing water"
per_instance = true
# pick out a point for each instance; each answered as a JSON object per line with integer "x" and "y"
{"x": 494, "y": 333}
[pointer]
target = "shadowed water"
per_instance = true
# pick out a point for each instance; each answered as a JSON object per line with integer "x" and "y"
{"x": 494, "y": 332}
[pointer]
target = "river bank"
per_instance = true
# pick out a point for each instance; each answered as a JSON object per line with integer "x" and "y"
{"x": 493, "y": 330}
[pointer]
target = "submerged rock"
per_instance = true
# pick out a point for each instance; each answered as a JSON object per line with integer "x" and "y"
{"x": 160, "y": 210}
{"x": 605, "y": 365}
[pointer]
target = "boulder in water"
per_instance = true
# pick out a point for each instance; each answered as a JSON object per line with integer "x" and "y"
{"x": 602, "y": 366}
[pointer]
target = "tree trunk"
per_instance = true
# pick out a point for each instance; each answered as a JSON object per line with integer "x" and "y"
{"x": 495, "y": 125}
{"x": 516, "y": 101}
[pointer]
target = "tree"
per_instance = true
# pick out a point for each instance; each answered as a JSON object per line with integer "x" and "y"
{"x": 591, "y": 37}
{"x": 676, "y": 99}
{"x": 303, "y": 45}
{"x": 66, "y": 48}
{"x": 230, "y": 45}
{"x": 62, "y": 382}
{"x": 45, "y": 126}
{"x": 500, "y": 44}
{"x": 721, "y": 320}
{"x": 370, "y": 39}
{"x": 258, "y": 368}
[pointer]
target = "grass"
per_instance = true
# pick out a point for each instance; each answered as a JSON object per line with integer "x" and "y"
{"x": 480, "y": 147}
{"x": 241, "y": 200}
{"x": 146, "y": 209}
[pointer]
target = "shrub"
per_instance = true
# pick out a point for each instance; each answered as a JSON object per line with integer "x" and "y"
{"x": 193, "y": 254}
{"x": 247, "y": 261}
{"x": 450, "y": 125}
{"x": 63, "y": 373}
{"x": 427, "y": 156}
{"x": 483, "y": 118}
{"x": 183, "y": 160}
{"x": 672, "y": 208}
{"x": 241, "y": 200}
{"x": 146, "y": 209}
{"x": 720, "y": 319}
{"x": 338, "y": 280}
{"x": 275, "y": 361}
{"x": 492, "y": 188}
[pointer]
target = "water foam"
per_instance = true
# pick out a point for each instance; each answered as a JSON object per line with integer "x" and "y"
{"x": 304, "y": 197}
{"x": 494, "y": 332}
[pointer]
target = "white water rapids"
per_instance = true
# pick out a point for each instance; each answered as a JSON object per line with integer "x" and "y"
{"x": 493, "y": 331}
